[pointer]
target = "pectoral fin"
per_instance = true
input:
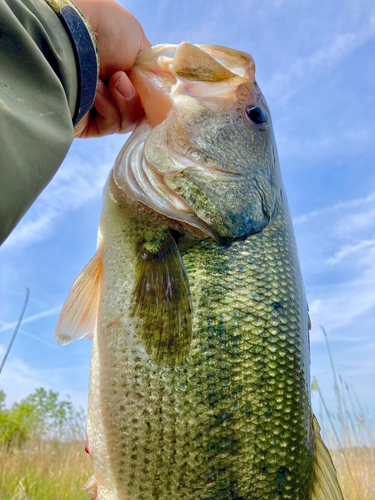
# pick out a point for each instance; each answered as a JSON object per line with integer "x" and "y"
{"x": 78, "y": 315}
{"x": 162, "y": 301}
{"x": 325, "y": 483}
{"x": 92, "y": 488}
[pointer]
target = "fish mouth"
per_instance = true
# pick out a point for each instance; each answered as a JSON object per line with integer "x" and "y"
{"x": 163, "y": 71}
{"x": 167, "y": 164}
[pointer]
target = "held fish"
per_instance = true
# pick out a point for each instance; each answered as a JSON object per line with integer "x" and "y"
{"x": 199, "y": 385}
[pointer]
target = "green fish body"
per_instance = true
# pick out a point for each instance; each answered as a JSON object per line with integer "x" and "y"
{"x": 199, "y": 385}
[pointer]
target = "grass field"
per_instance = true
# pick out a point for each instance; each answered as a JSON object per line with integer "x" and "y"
{"x": 51, "y": 469}
{"x": 44, "y": 470}
{"x": 357, "y": 480}
{"x": 57, "y": 471}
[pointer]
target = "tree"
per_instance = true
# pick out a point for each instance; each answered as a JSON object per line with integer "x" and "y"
{"x": 2, "y": 399}
{"x": 40, "y": 414}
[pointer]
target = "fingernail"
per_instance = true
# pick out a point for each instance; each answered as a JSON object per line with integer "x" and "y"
{"x": 125, "y": 87}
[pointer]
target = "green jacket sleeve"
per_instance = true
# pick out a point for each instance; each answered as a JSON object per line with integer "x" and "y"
{"x": 39, "y": 86}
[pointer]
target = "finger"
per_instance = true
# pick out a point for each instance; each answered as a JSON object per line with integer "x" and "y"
{"x": 107, "y": 119}
{"x": 80, "y": 128}
{"x": 127, "y": 101}
{"x": 120, "y": 37}
{"x": 145, "y": 41}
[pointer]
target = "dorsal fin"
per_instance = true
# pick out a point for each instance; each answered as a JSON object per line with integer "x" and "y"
{"x": 161, "y": 300}
{"x": 78, "y": 315}
{"x": 325, "y": 483}
{"x": 193, "y": 63}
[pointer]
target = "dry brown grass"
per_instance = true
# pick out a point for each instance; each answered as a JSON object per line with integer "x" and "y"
{"x": 350, "y": 438}
{"x": 353, "y": 452}
{"x": 56, "y": 471}
{"x": 357, "y": 481}
{"x": 44, "y": 470}
{"x": 53, "y": 470}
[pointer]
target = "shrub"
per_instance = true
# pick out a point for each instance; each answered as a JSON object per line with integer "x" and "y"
{"x": 41, "y": 414}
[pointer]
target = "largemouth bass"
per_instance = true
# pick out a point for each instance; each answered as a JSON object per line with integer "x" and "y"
{"x": 199, "y": 385}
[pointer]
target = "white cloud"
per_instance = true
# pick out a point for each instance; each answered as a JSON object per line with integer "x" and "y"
{"x": 349, "y": 250}
{"x": 21, "y": 331}
{"x": 360, "y": 136}
{"x": 341, "y": 267}
{"x": 347, "y": 243}
{"x": 329, "y": 142}
{"x": 339, "y": 305}
{"x": 352, "y": 225}
{"x": 279, "y": 3}
{"x": 34, "y": 317}
{"x": 18, "y": 379}
{"x": 341, "y": 205}
{"x": 77, "y": 182}
{"x": 287, "y": 82}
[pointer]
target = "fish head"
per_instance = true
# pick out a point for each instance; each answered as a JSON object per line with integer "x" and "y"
{"x": 205, "y": 153}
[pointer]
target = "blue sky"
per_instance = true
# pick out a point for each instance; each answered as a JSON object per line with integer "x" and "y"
{"x": 315, "y": 65}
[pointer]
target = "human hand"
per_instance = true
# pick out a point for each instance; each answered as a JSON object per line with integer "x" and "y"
{"x": 120, "y": 37}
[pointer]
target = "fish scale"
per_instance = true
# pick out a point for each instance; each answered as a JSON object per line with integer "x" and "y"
{"x": 199, "y": 384}
{"x": 227, "y": 423}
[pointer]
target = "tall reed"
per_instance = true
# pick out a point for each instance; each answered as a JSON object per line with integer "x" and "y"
{"x": 51, "y": 469}
{"x": 351, "y": 441}
{"x": 44, "y": 470}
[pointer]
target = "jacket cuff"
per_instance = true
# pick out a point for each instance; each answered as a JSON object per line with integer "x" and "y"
{"x": 86, "y": 53}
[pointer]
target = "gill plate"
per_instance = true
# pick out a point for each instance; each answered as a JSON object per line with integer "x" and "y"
{"x": 142, "y": 182}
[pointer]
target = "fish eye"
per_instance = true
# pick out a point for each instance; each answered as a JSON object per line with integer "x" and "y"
{"x": 257, "y": 114}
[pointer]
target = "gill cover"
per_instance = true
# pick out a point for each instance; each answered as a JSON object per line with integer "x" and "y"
{"x": 205, "y": 154}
